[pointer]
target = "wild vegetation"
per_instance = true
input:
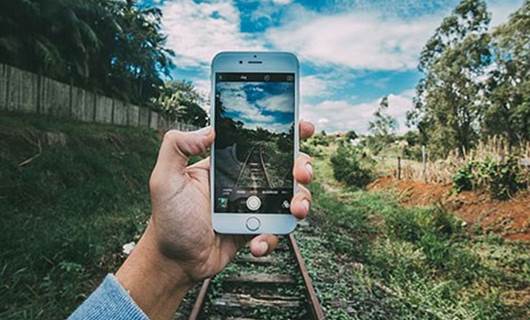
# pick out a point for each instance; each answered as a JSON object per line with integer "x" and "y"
{"x": 71, "y": 195}
{"x": 407, "y": 263}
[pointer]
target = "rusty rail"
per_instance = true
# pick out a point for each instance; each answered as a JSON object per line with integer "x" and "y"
{"x": 199, "y": 303}
{"x": 314, "y": 304}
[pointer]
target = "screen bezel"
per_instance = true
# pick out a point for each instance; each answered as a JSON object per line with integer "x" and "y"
{"x": 257, "y": 62}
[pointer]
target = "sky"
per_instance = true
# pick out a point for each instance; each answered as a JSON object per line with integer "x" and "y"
{"x": 268, "y": 105}
{"x": 352, "y": 53}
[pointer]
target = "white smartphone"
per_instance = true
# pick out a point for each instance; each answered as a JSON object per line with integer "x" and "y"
{"x": 255, "y": 115}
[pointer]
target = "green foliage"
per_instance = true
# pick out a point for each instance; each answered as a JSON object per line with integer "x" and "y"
{"x": 383, "y": 125}
{"x": 114, "y": 47}
{"x": 180, "y": 101}
{"x": 463, "y": 178}
{"x": 447, "y": 108}
{"x": 501, "y": 178}
{"x": 508, "y": 85}
{"x": 475, "y": 82}
{"x": 383, "y": 128}
{"x": 67, "y": 213}
{"x": 352, "y": 166}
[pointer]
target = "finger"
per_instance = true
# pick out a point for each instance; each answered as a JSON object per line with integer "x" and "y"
{"x": 263, "y": 244}
{"x": 177, "y": 146}
{"x": 229, "y": 245}
{"x": 306, "y": 129}
{"x": 200, "y": 171}
{"x": 202, "y": 164}
{"x": 302, "y": 169}
{"x": 301, "y": 203}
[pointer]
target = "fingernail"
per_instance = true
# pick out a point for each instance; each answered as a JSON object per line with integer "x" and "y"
{"x": 305, "y": 204}
{"x": 204, "y": 131}
{"x": 309, "y": 168}
{"x": 263, "y": 247}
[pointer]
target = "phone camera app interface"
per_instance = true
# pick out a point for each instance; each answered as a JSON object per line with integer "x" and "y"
{"x": 254, "y": 122}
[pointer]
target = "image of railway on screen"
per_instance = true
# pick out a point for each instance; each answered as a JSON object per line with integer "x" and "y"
{"x": 254, "y": 122}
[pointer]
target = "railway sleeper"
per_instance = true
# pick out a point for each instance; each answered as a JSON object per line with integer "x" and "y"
{"x": 240, "y": 300}
{"x": 248, "y": 258}
{"x": 260, "y": 279}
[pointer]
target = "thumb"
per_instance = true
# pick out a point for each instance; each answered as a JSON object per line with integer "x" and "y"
{"x": 177, "y": 146}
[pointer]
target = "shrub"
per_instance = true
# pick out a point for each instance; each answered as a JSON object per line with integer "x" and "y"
{"x": 463, "y": 178}
{"x": 501, "y": 178}
{"x": 352, "y": 166}
{"x": 310, "y": 149}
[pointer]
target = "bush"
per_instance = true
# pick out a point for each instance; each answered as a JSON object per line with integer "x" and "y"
{"x": 352, "y": 166}
{"x": 463, "y": 178}
{"x": 501, "y": 178}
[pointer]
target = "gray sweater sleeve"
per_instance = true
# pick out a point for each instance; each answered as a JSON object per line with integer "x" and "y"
{"x": 109, "y": 301}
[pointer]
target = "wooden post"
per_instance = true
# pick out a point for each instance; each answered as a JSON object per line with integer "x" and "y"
{"x": 399, "y": 168}
{"x": 424, "y": 163}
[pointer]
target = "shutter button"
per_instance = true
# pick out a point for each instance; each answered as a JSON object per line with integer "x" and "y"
{"x": 253, "y": 203}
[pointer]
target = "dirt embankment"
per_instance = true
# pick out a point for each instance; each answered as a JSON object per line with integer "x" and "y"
{"x": 510, "y": 218}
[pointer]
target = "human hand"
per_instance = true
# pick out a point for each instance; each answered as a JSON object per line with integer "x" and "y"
{"x": 179, "y": 240}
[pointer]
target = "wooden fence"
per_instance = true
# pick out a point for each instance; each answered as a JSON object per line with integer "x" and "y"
{"x": 23, "y": 91}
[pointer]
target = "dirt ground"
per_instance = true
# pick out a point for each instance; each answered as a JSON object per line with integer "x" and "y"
{"x": 510, "y": 219}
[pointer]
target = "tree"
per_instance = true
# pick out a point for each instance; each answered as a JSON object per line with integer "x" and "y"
{"x": 114, "y": 47}
{"x": 384, "y": 126}
{"x": 508, "y": 86}
{"x": 180, "y": 101}
{"x": 351, "y": 135}
{"x": 448, "y": 98}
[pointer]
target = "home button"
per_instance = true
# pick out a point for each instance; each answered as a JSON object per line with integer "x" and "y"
{"x": 253, "y": 223}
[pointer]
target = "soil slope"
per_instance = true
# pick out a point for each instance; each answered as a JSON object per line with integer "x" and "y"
{"x": 510, "y": 219}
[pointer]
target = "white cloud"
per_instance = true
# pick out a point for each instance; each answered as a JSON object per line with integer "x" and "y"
{"x": 280, "y": 102}
{"x": 197, "y": 31}
{"x": 361, "y": 41}
{"x": 234, "y": 99}
{"x": 313, "y": 86}
{"x": 282, "y": 2}
{"x": 340, "y": 115}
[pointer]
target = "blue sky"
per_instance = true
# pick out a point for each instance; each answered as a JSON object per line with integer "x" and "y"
{"x": 352, "y": 53}
{"x": 268, "y": 105}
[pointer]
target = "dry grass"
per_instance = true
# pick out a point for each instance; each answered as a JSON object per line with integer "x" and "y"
{"x": 442, "y": 171}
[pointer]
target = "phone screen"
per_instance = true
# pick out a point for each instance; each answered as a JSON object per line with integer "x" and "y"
{"x": 254, "y": 142}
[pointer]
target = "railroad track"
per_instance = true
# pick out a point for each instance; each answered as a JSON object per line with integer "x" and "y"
{"x": 273, "y": 287}
{"x": 253, "y": 173}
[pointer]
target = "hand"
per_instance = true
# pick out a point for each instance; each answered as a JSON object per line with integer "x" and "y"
{"x": 179, "y": 242}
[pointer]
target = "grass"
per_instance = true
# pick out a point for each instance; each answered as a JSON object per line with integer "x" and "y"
{"x": 67, "y": 212}
{"x": 82, "y": 194}
{"x": 385, "y": 261}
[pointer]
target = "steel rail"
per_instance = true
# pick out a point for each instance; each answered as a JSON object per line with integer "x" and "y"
{"x": 314, "y": 304}
{"x": 201, "y": 297}
{"x": 264, "y": 168}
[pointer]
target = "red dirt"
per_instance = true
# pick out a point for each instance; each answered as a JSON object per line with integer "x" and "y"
{"x": 510, "y": 219}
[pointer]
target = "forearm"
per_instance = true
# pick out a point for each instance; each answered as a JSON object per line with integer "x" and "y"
{"x": 155, "y": 283}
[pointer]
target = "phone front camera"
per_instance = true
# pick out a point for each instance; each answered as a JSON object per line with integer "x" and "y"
{"x": 240, "y": 61}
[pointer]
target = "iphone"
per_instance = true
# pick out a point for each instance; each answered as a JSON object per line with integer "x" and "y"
{"x": 255, "y": 116}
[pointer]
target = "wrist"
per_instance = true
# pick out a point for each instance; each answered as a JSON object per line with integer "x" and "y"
{"x": 157, "y": 284}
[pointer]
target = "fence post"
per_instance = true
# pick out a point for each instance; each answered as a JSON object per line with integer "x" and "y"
{"x": 399, "y": 168}
{"x": 424, "y": 163}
